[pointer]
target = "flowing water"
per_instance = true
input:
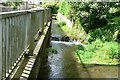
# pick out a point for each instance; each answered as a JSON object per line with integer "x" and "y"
{"x": 62, "y": 62}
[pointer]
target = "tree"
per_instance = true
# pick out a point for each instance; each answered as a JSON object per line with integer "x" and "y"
{"x": 98, "y": 19}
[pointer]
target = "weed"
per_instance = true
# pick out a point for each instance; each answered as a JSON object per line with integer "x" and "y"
{"x": 62, "y": 23}
{"x": 100, "y": 52}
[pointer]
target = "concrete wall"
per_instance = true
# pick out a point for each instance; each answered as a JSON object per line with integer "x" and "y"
{"x": 61, "y": 17}
{"x": 29, "y": 68}
{"x": 40, "y": 56}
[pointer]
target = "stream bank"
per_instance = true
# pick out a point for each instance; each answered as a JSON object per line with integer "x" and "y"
{"x": 64, "y": 64}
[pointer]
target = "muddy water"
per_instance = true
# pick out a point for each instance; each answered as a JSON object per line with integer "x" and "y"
{"x": 62, "y": 63}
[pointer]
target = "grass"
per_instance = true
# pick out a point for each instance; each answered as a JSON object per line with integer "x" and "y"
{"x": 99, "y": 53}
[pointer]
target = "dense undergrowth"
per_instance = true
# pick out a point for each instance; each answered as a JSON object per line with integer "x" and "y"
{"x": 98, "y": 51}
{"x": 53, "y": 6}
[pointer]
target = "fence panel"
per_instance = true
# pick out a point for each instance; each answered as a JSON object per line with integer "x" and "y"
{"x": 17, "y": 32}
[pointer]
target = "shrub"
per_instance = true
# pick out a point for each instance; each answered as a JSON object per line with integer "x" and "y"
{"x": 93, "y": 15}
{"x": 112, "y": 48}
{"x": 96, "y": 19}
{"x": 64, "y": 8}
{"x": 53, "y": 6}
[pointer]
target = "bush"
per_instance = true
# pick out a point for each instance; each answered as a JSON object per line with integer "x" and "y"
{"x": 112, "y": 48}
{"x": 64, "y": 8}
{"x": 93, "y": 15}
{"x": 109, "y": 32}
{"x": 53, "y": 6}
{"x": 96, "y": 19}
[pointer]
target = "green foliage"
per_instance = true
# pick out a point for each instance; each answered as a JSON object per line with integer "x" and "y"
{"x": 112, "y": 49}
{"x": 107, "y": 33}
{"x": 99, "y": 20}
{"x": 74, "y": 33}
{"x": 90, "y": 15}
{"x": 64, "y": 8}
{"x": 62, "y": 23}
{"x": 53, "y": 6}
{"x": 99, "y": 51}
{"x": 13, "y": 4}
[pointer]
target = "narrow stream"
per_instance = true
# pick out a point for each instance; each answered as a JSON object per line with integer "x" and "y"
{"x": 62, "y": 62}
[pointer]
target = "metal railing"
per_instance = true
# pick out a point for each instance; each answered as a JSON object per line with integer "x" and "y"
{"x": 17, "y": 33}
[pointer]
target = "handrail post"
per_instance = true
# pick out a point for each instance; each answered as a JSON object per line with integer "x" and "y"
{"x": 1, "y": 50}
{"x": 43, "y": 16}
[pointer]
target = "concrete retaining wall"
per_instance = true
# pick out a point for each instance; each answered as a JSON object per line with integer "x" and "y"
{"x": 30, "y": 67}
{"x": 45, "y": 44}
{"x": 61, "y": 17}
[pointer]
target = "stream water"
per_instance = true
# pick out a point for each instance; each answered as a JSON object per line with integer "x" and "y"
{"x": 62, "y": 63}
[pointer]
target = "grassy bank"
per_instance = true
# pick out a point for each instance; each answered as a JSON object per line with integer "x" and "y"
{"x": 99, "y": 52}
{"x": 96, "y": 52}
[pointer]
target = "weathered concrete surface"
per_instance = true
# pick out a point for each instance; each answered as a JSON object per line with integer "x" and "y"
{"x": 42, "y": 45}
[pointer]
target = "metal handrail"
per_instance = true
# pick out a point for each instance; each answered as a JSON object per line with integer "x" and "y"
{"x": 17, "y": 32}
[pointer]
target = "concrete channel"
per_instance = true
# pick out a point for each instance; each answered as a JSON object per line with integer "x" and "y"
{"x": 61, "y": 62}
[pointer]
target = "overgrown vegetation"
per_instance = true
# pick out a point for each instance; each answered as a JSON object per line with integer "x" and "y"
{"x": 62, "y": 23}
{"x": 99, "y": 53}
{"x": 97, "y": 24}
{"x": 100, "y": 23}
{"x": 53, "y": 6}
{"x": 74, "y": 32}
{"x": 97, "y": 19}
{"x": 64, "y": 8}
